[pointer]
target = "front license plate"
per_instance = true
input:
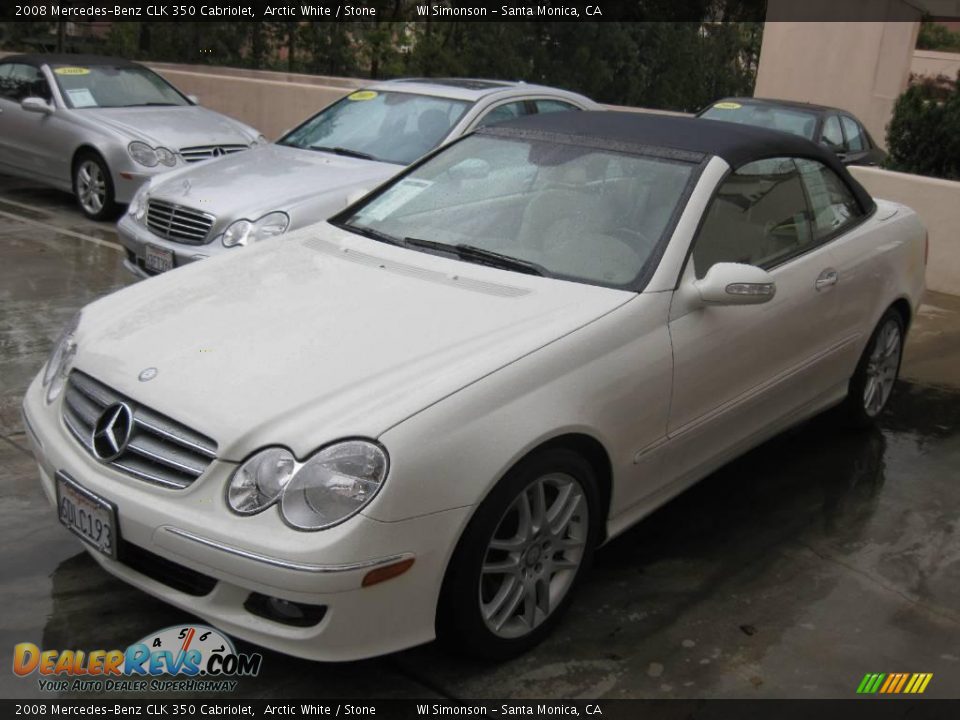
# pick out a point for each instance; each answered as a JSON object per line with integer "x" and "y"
{"x": 86, "y": 515}
{"x": 158, "y": 260}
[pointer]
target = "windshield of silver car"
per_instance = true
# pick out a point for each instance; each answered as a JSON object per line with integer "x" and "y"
{"x": 392, "y": 127}
{"x": 588, "y": 214}
{"x": 796, "y": 122}
{"x": 108, "y": 86}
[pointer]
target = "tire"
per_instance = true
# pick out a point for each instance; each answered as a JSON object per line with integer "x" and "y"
{"x": 872, "y": 383}
{"x": 93, "y": 187}
{"x": 512, "y": 575}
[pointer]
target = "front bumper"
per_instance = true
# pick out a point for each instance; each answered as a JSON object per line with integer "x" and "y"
{"x": 193, "y": 529}
{"x": 135, "y": 239}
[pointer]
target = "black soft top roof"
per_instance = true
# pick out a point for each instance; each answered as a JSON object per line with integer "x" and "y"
{"x": 38, "y": 59}
{"x": 689, "y": 138}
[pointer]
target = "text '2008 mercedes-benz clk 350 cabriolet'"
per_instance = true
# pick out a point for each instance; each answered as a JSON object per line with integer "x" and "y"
{"x": 420, "y": 418}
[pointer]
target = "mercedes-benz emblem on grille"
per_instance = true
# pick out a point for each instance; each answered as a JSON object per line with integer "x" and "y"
{"x": 148, "y": 374}
{"x": 217, "y": 152}
{"x": 112, "y": 432}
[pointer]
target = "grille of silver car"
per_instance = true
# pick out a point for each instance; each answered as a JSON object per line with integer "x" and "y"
{"x": 160, "y": 450}
{"x": 178, "y": 223}
{"x": 206, "y": 152}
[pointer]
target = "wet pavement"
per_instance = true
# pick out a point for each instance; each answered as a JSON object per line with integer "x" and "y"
{"x": 792, "y": 572}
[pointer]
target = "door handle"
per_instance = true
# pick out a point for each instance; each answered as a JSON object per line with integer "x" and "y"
{"x": 827, "y": 278}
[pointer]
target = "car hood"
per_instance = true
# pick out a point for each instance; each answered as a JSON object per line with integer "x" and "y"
{"x": 268, "y": 178}
{"x": 319, "y": 335}
{"x": 174, "y": 127}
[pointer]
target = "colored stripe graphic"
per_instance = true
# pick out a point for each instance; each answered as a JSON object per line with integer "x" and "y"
{"x": 894, "y": 683}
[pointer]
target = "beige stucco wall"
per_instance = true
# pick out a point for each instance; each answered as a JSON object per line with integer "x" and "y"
{"x": 932, "y": 63}
{"x": 859, "y": 66}
{"x": 272, "y": 102}
{"x": 937, "y": 202}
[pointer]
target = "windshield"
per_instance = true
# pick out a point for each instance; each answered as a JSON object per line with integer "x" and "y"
{"x": 389, "y": 126}
{"x": 110, "y": 86}
{"x": 567, "y": 211}
{"x": 795, "y": 122}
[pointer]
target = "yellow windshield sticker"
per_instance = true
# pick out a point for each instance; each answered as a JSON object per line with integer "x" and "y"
{"x": 728, "y": 106}
{"x": 362, "y": 95}
{"x": 72, "y": 71}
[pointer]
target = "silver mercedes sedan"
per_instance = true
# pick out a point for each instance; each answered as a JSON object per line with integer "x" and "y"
{"x": 99, "y": 127}
{"x": 317, "y": 168}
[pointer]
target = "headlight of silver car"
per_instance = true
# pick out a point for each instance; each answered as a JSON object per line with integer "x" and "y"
{"x": 166, "y": 157}
{"x": 244, "y": 232}
{"x": 143, "y": 153}
{"x": 333, "y": 485}
{"x": 261, "y": 140}
{"x": 138, "y": 205}
{"x": 61, "y": 358}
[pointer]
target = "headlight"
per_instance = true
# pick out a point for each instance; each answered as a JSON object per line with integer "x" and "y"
{"x": 138, "y": 205}
{"x": 257, "y": 483}
{"x": 143, "y": 154}
{"x": 261, "y": 140}
{"x": 243, "y": 232}
{"x": 334, "y": 484}
{"x": 166, "y": 157}
{"x": 58, "y": 365}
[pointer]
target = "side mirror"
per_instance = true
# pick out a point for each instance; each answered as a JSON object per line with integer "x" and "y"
{"x": 37, "y": 105}
{"x": 194, "y": 100}
{"x": 736, "y": 284}
{"x": 356, "y": 195}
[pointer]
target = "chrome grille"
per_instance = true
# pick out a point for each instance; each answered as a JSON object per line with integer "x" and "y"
{"x": 160, "y": 450}
{"x": 206, "y": 152}
{"x": 178, "y": 223}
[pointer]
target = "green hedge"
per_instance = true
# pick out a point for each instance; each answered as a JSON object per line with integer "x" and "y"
{"x": 924, "y": 135}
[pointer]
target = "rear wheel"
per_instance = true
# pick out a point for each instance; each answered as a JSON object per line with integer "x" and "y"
{"x": 872, "y": 384}
{"x": 93, "y": 187}
{"x": 524, "y": 551}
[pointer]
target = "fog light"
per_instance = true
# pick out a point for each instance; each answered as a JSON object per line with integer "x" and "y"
{"x": 283, "y": 611}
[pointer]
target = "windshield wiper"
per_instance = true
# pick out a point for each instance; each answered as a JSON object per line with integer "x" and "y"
{"x": 346, "y": 152}
{"x": 370, "y": 233}
{"x": 480, "y": 256}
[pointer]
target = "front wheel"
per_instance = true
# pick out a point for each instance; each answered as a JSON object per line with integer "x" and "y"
{"x": 93, "y": 187}
{"x": 514, "y": 570}
{"x": 872, "y": 382}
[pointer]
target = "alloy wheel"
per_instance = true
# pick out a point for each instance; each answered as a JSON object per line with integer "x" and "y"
{"x": 882, "y": 367}
{"x": 91, "y": 187}
{"x": 532, "y": 559}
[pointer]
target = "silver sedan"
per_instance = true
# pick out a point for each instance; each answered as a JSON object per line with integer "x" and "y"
{"x": 314, "y": 170}
{"x": 99, "y": 127}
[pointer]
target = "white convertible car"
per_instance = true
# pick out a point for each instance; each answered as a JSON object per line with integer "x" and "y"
{"x": 420, "y": 419}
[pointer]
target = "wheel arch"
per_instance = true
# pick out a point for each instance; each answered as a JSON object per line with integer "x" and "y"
{"x": 82, "y": 150}
{"x": 903, "y": 307}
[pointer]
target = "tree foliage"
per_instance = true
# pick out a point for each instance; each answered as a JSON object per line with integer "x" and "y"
{"x": 934, "y": 36}
{"x": 924, "y": 135}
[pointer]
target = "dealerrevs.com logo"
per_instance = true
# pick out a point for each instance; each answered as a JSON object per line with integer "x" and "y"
{"x": 199, "y": 658}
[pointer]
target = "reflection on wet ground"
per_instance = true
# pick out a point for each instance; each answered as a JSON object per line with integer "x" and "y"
{"x": 793, "y": 571}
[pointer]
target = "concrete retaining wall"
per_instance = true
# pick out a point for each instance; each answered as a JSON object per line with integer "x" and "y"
{"x": 932, "y": 63}
{"x": 272, "y": 102}
{"x": 938, "y": 204}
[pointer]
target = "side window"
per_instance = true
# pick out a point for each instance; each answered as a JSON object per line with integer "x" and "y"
{"x": 550, "y": 106}
{"x": 854, "y": 133}
{"x": 501, "y": 113}
{"x": 833, "y": 205}
{"x": 832, "y": 135}
{"x": 759, "y": 216}
{"x": 18, "y": 81}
